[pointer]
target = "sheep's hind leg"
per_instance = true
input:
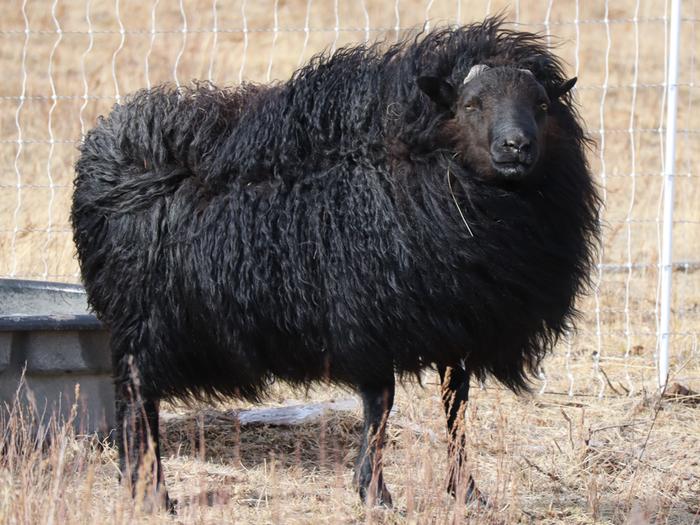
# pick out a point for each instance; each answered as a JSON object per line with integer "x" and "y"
{"x": 377, "y": 403}
{"x": 454, "y": 385}
{"x": 138, "y": 444}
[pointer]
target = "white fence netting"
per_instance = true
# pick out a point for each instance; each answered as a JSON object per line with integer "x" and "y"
{"x": 66, "y": 62}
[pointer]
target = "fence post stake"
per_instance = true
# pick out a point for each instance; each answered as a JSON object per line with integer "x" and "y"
{"x": 669, "y": 172}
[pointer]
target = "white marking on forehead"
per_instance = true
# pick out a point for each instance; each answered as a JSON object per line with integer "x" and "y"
{"x": 474, "y": 72}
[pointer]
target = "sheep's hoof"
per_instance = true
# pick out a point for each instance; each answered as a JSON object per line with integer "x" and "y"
{"x": 477, "y": 498}
{"x": 472, "y": 495}
{"x": 376, "y": 498}
{"x": 159, "y": 502}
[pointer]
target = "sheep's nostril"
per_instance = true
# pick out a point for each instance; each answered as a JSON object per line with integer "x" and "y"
{"x": 521, "y": 145}
{"x": 510, "y": 145}
{"x": 514, "y": 148}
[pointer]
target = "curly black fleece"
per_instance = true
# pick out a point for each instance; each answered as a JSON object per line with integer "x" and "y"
{"x": 305, "y": 230}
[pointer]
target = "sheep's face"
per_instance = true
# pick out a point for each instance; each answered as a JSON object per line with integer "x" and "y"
{"x": 498, "y": 119}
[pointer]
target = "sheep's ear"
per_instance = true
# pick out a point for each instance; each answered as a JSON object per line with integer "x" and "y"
{"x": 564, "y": 88}
{"x": 440, "y": 91}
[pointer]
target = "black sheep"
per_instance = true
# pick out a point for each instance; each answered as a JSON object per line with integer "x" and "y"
{"x": 381, "y": 212}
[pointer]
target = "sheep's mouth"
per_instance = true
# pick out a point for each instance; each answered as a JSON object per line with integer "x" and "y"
{"x": 512, "y": 170}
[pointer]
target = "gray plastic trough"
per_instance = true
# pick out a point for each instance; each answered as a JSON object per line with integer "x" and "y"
{"x": 47, "y": 332}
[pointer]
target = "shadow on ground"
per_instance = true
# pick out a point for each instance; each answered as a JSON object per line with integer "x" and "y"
{"x": 330, "y": 441}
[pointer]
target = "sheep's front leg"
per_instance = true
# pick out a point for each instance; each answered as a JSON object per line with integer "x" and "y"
{"x": 377, "y": 403}
{"x": 454, "y": 386}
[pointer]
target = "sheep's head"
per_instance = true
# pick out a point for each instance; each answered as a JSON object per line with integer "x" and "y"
{"x": 498, "y": 118}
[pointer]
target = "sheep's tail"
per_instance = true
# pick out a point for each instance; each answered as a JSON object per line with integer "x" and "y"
{"x": 141, "y": 191}
{"x": 141, "y": 152}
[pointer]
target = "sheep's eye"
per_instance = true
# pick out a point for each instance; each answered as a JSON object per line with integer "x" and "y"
{"x": 471, "y": 105}
{"x": 544, "y": 106}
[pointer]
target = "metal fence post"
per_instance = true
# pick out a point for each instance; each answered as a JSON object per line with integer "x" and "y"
{"x": 669, "y": 172}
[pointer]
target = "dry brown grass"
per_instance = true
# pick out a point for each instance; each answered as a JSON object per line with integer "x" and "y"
{"x": 550, "y": 458}
{"x": 544, "y": 459}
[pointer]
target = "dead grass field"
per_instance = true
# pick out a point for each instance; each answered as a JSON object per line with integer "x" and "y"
{"x": 543, "y": 459}
{"x": 550, "y": 458}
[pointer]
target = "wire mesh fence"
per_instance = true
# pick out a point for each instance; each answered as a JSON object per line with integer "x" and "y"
{"x": 66, "y": 62}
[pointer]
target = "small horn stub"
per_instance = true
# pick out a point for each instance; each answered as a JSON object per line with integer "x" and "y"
{"x": 474, "y": 72}
{"x": 527, "y": 71}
